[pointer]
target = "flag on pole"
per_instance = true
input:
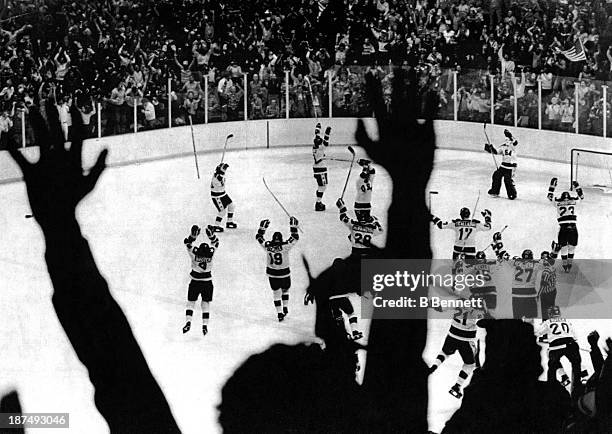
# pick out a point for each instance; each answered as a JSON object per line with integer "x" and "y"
{"x": 576, "y": 53}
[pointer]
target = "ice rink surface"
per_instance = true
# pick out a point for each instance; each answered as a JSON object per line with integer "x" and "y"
{"x": 136, "y": 220}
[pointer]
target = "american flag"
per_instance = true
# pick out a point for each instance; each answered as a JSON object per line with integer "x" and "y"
{"x": 576, "y": 53}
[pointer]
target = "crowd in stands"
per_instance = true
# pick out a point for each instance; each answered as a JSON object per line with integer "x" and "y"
{"x": 123, "y": 53}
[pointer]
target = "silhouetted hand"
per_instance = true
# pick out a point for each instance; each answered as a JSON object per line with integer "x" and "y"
{"x": 56, "y": 183}
{"x": 406, "y": 137}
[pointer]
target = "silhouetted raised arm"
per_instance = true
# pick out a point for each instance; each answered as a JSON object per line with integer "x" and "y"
{"x": 126, "y": 394}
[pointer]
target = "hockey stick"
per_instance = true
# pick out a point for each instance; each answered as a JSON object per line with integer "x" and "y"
{"x": 476, "y": 205}
{"x": 195, "y": 156}
{"x": 429, "y": 200}
{"x": 278, "y": 201}
{"x": 314, "y": 109}
{"x": 229, "y": 136}
{"x": 352, "y": 151}
{"x": 489, "y": 142}
{"x": 338, "y": 159}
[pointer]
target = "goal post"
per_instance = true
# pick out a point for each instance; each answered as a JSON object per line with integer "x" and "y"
{"x": 592, "y": 169}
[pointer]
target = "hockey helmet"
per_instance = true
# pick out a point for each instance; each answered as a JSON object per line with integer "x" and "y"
{"x": 464, "y": 213}
{"x": 554, "y": 311}
{"x": 221, "y": 168}
{"x": 566, "y": 195}
{"x": 527, "y": 254}
{"x": 481, "y": 256}
{"x": 277, "y": 237}
{"x": 544, "y": 255}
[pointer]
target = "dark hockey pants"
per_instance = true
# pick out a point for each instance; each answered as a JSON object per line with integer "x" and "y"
{"x": 547, "y": 299}
{"x": 505, "y": 174}
{"x": 572, "y": 353}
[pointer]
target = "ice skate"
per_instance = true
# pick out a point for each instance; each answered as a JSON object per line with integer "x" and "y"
{"x": 204, "y": 330}
{"x": 231, "y": 225}
{"x": 319, "y": 206}
{"x": 187, "y": 327}
{"x": 217, "y": 228}
{"x": 281, "y": 317}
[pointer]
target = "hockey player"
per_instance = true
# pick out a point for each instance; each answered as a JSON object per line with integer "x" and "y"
{"x": 363, "y": 199}
{"x": 508, "y": 166}
{"x": 465, "y": 227}
{"x": 362, "y": 230}
{"x": 277, "y": 268}
{"x": 221, "y": 200}
{"x": 483, "y": 267}
{"x": 548, "y": 284}
{"x": 461, "y": 337}
{"x": 561, "y": 343}
{"x": 525, "y": 268}
{"x": 566, "y": 217}
{"x": 201, "y": 278}
{"x": 343, "y": 281}
{"x": 319, "y": 166}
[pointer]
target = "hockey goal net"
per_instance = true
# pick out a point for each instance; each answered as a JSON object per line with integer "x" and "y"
{"x": 592, "y": 169}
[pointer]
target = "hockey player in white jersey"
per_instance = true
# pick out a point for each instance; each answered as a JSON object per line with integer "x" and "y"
{"x": 365, "y": 184}
{"x": 567, "y": 214}
{"x": 465, "y": 229}
{"x": 561, "y": 338}
{"x": 485, "y": 269}
{"x": 461, "y": 337}
{"x": 201, "y": 277}
{"x": 277, "y": 269}
{"x": 319, "y": 166}
{"x": 362, "y": 230}
{"x": 507, "y": 168}
{"x": 524, "y": 274}
{"x": 221, "y": 199}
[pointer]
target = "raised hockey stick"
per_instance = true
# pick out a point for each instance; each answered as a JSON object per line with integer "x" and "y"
{"x": 577, "y": 166}
{"x": 352, "y": 151}
{"x": 429, "y": 200}
{"x": 489, "y": 142}
{"x": 195, "y": 155}
{"x": 314, "y": 109}
{"x": 229, "y": 136}
{"x": 476, "y": 205}
{"x": 278, "y": 201}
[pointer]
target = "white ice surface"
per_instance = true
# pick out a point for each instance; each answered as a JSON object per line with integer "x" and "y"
{"x": 135, "y": 222}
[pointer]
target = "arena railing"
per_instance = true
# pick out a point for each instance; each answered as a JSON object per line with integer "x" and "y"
{"x": 521, "y": 100}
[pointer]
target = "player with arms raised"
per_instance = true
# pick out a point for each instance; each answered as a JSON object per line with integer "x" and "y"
{"x": 201, "y": 278}
{"x": 465, "y": 228}
{"x": 365, "y": 183}
{"x": 508, "y": 166}
{"x": 566, "y": 217}
{"x": 561, "y": 343}
{"x": 362, "y": 230}
{"x": 461, "y": 337}
{"x": 221, "y": 200}
{"x": 525, "y": 269}
{"x": 277, "y": 268}
{"x": 319, "y": 166}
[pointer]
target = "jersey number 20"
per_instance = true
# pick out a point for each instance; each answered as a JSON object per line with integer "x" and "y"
{"x": 559, "y": 325}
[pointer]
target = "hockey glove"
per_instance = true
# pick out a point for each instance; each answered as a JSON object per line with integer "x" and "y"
{"x": 293, "y": 222}
{"x": 189, "y": 240}
{"x": 326, "y": 137}
{"x": 363, "y": 162}
{"x": 508, "y": 134}
{"x": 436, "y": 221}
{"x": 487, "y": 215}
{"x": 497, "y": 236}
{"x": 195, "y": 231}
{"x": 210, "y": 231}
{"x": 264, "y": 224}
{"x": 340, "y": 204}
{"x": 578, "y": 189}
{"x": 551, "y": 188}
{"x": 308, "y": 298}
